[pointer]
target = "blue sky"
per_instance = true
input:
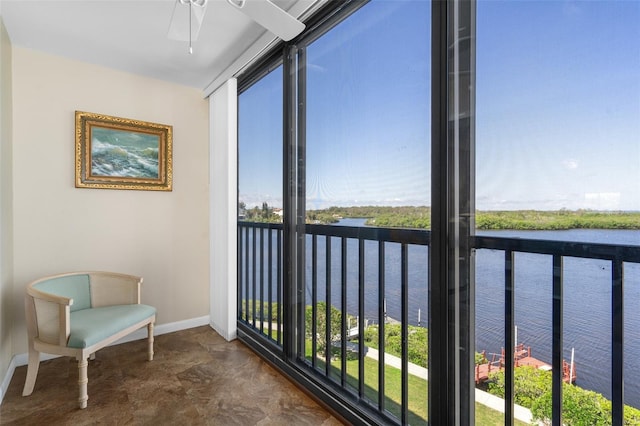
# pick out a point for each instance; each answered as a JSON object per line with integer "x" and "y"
{"x": 369, "y": 109}
{"x": 260, "y": 142}
{"x": 557, "y": 119}
{"x": 558, "y": 105}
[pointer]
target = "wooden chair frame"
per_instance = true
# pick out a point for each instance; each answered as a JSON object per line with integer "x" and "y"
{"x": 48, "y": 322}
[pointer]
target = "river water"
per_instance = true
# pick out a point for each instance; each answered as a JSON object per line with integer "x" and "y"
{"x": 587, "y": 299}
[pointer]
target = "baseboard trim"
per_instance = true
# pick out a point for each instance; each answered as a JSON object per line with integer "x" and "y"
{"x": 228, "y": 335}
{"x": 7, "y": 379}
{"x": 23, "y": 359}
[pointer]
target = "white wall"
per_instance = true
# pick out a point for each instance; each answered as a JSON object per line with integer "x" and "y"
{"x": 224, "y": 198}
{"x": 6, "y": 240}
{"x": 162, "y": 236}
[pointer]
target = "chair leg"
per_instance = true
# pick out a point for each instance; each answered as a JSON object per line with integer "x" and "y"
{"x": 150, "y": 340}
{"x": 82, "y": 382}
{"x": 32, "y": 370}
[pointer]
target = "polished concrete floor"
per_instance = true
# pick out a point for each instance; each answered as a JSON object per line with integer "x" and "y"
{"x": 196, "y": 378}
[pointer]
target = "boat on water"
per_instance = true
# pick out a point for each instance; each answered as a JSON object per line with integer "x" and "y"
{"x": 521, "y": 357}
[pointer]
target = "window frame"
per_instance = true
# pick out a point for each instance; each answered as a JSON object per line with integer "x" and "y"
{"x": 451, "y": 305}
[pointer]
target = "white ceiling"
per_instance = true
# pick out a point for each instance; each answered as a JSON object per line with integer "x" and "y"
{"x": 132, "y": 35}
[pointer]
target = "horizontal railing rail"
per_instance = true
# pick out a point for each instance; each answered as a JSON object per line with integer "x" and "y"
{"x": 389, "y": 235}
{"x": 260, "y": 275}
{"x": 624, "y": 253}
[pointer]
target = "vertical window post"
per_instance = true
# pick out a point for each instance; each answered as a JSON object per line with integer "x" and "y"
{"x": 451, "y": 284}
{"x": 293, "y": 210}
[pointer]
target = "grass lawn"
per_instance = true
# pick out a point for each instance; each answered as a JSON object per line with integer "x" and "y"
{"x": 417, "y": 390}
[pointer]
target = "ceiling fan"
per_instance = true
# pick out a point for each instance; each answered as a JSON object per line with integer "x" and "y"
{"x": 188, "y": 16}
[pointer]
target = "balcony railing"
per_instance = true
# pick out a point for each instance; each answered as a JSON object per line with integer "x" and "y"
{"x": 336, "y": 259}
{"x": 258, "y": 270}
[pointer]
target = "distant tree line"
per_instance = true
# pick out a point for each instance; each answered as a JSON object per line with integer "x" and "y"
{"x": 264, "y": 213}
{"x": 397, "y": 217}
{"x": 419, "y": 217}
{"x": 557, "y": 220}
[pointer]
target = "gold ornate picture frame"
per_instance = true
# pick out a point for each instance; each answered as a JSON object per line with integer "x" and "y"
{"x": 119, "y": 153}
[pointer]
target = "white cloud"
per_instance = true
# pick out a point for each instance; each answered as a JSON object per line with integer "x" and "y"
{"x": 315, "y": 67}
{"x": 570, "y": 164}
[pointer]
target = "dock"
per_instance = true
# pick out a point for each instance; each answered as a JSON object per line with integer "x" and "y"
{"x": 521, "y": 357}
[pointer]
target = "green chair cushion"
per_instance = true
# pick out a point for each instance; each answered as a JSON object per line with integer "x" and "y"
{"x": 75, "y": 287}
{"x": 90, "y": 326}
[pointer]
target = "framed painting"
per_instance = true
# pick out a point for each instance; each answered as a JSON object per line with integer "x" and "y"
{"x": 119, "y": 153}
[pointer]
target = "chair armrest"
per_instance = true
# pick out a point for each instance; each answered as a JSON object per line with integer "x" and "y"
{"x": 109, "y": 288}
{"x": 48, "y": 316}
{"x": 49, "y": 297}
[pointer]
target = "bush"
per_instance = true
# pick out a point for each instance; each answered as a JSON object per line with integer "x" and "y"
{"x": 529, "y": 385}
{"x": 580, "y": 407}
{"x": 418, "y": 346}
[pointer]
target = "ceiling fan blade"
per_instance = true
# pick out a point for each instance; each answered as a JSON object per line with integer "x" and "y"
{"x": 271, "y": 17}
{"x": 179, "y": 25}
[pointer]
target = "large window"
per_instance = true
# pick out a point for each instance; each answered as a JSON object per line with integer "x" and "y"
{"x": 260, "y": 111}
{"x": 357, "y": 157}
{"x": 367, "y": 158}
{"x": 406, "y": 172}
{"x": 368, "y": 108}
{"x": 260, "y": 148}
{"x": 558, "y": 159}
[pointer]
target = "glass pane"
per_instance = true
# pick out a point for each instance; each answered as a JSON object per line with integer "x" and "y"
{"x": 558, "y": 159}
{"x": 260, "y": 204}
{"x": 260, "y": 149}
{"x": 368, "y": 166}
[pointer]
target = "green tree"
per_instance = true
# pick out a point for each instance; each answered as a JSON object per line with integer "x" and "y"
{"x": 262, "y": 214}
{"x": 266, "y": 211}
{"x": 321, "y": 325}
{"x": 417, "y": 340}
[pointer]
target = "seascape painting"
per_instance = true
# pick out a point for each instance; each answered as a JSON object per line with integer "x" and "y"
{"x": 124, "y": 154}
{"x": 121, "y": 153}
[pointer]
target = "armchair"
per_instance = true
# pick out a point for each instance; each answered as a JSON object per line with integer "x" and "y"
{"x": 76, "y": 314}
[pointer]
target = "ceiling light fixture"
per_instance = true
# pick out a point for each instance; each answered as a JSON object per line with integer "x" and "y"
{"x": 195, "y": 12}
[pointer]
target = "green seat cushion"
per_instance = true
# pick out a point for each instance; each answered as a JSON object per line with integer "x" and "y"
{"x": 75, "y": 287}
{"x": 90, "y": 326}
